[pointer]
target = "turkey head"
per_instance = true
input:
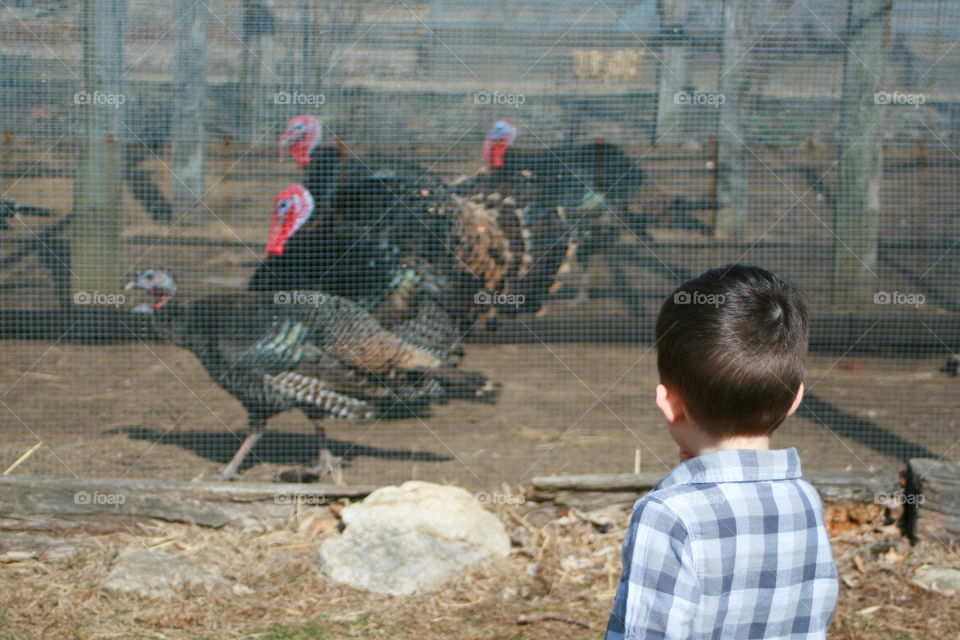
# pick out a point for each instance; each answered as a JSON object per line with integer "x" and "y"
{"x": 301, "y": 136}
{"x": 293, "y": 206}
{"x": 497, "y": 142}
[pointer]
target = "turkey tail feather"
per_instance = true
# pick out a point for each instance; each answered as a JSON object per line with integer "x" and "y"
{"x": 312, "y": 391}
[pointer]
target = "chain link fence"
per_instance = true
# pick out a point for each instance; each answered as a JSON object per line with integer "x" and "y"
{"x": 817, "y": 139}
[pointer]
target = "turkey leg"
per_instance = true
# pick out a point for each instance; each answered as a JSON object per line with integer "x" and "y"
{"x": 326, "y": 461}
{"x": 229, "y": 472}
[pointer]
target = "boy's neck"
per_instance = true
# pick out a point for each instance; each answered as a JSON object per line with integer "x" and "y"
{"x": 704, "y": 444}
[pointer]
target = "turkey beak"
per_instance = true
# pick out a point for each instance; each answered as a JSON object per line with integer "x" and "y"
{"x": 130, "y": 285}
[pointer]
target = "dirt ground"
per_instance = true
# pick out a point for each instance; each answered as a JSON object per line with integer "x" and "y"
{"x": 150, "y": 410}
{"x": 557, "y": 583}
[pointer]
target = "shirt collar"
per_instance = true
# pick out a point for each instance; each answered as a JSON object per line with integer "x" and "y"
{"x": 736, "y": 465}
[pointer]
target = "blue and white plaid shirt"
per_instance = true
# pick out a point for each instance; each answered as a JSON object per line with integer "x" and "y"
{"x": 729, "y": 545}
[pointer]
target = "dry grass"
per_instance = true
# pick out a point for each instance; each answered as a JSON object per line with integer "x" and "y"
{"x": 559, "y": 582}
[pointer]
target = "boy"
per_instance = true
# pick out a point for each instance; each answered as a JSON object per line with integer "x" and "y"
{"x": 732, "y": 542}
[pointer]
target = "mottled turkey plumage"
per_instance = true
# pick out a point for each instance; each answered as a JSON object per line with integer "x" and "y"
{"x": 327, "y": 357}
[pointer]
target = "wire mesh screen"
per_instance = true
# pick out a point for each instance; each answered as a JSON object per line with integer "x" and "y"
{"x": 415, "y": 310}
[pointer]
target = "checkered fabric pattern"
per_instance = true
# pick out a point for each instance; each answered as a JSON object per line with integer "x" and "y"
{"x": 729, "y": 545}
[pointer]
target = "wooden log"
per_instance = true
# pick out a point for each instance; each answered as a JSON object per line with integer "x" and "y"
{"x": 932, "y": 500}
{"x": 857, "y": 217}
{"x": 55, "y": 501}
{"x": 598, "y": 482}
{"x": 858, "y": 486}
{"x": 95, "y": 244}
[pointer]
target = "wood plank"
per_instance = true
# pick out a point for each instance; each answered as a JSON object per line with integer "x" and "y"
{"x": 859, "y": 486}
{"x": 208, "y": 503}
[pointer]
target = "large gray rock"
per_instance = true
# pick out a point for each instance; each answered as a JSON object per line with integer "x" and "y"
{"x": 411, "y": 538}
{"x": 154, "y": 573}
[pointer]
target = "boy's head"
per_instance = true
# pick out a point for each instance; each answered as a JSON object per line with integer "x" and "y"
{"x": 731, "y": 344}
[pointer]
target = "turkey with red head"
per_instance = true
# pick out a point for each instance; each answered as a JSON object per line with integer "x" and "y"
{"x": 319, "y": 353}
{"x": 329, "y": 166}
{"x": 399, "y": 251}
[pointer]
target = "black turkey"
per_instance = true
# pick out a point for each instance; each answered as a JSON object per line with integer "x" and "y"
{"x": 325, "y": 356}
{"x": 592, "y": 184}
{"x": 398, "y": 248}
{"x": 328, "y": 166}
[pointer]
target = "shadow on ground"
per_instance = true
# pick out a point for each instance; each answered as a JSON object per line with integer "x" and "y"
{"x": 849, "y": 425}
{"x": 274, "y": 447}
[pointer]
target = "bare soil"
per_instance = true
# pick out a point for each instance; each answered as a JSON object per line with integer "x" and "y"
{"x": 151, "y": 410}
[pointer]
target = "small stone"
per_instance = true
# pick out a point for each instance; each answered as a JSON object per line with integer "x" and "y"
{"x": 242, "y": 590}
{"x": 154, "y": 573}
{"x": 938, "y": 578}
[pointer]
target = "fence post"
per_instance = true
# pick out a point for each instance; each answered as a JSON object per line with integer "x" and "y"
{"x": 95, "y": 239}
{"x": 308, "y": 55}
{"x": 671, "y": 70}
{"x": 732, "y": 183}
{"x": 856, "y": 219}
{"x": 189, "y": 76}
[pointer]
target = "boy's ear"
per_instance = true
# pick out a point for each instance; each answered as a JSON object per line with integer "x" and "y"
{"x": 796, "y": 401}
{"x": 670, "y": 404}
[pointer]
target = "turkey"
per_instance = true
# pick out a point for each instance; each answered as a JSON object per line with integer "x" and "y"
{"x": 400, "y": 236}
{"x": 329, "y": 166}
{"x": 588, "y": 180}
{"x": 324, "y": 355}
{"x": 591, "y": 184}
{"x": 11, "y": 209}
{"x": 397, "y": 249}
{"x": 599, "y": 187}
{"x": 50, "y": 244}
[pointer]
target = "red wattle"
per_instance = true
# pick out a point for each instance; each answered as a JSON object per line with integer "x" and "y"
{"x": 301, "y": 153}
{"x": 275, "y": 247}
{"x": 493, "y": 153}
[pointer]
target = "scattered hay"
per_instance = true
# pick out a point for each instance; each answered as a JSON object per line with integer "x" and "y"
{"x": 558, "y": 582}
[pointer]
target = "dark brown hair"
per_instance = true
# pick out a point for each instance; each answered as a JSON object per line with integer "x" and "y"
{"x": 733, "y": 342}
